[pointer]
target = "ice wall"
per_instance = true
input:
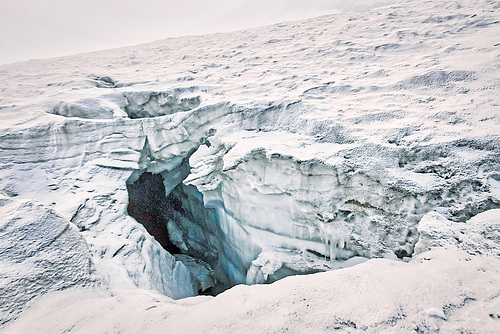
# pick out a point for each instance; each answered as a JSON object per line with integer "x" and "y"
{"x": 332, "y": 209}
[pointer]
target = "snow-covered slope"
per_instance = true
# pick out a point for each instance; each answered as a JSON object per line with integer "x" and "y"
{"x": 197, "y": 163}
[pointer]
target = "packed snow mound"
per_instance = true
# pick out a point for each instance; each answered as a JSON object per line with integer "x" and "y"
{"x": 40, "y": 252}
{"x": 480, "y": 235}
{"x": 194, "y": 164}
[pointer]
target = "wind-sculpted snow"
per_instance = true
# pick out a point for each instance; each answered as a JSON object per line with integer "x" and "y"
{"x": 193, "y": 164}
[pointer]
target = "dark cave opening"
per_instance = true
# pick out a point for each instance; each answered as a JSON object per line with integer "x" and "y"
{"x": 150, "y": 207}
{"x": 183, "y": 226}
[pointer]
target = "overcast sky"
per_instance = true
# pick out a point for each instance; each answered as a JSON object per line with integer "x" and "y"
{"x": 48, "y": 28}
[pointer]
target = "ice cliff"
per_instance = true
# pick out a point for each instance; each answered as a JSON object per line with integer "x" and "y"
{"x": 190, "y": 165}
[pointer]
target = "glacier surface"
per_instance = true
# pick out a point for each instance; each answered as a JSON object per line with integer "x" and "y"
{"x": 190, "y": 165}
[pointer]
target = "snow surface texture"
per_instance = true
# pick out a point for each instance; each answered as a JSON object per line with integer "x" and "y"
{"x": 314, "y": 145}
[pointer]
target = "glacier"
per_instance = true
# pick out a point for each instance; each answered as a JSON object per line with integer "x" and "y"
{"x": 359, "y": 145}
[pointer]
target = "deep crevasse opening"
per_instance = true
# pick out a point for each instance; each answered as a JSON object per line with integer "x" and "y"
{"x": 269, "y": 216}
{"x": 206, "y": 238}
{"x": 185, "y": 228}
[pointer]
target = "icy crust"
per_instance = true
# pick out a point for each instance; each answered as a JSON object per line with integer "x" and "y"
{"x": 442, "y": 289}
